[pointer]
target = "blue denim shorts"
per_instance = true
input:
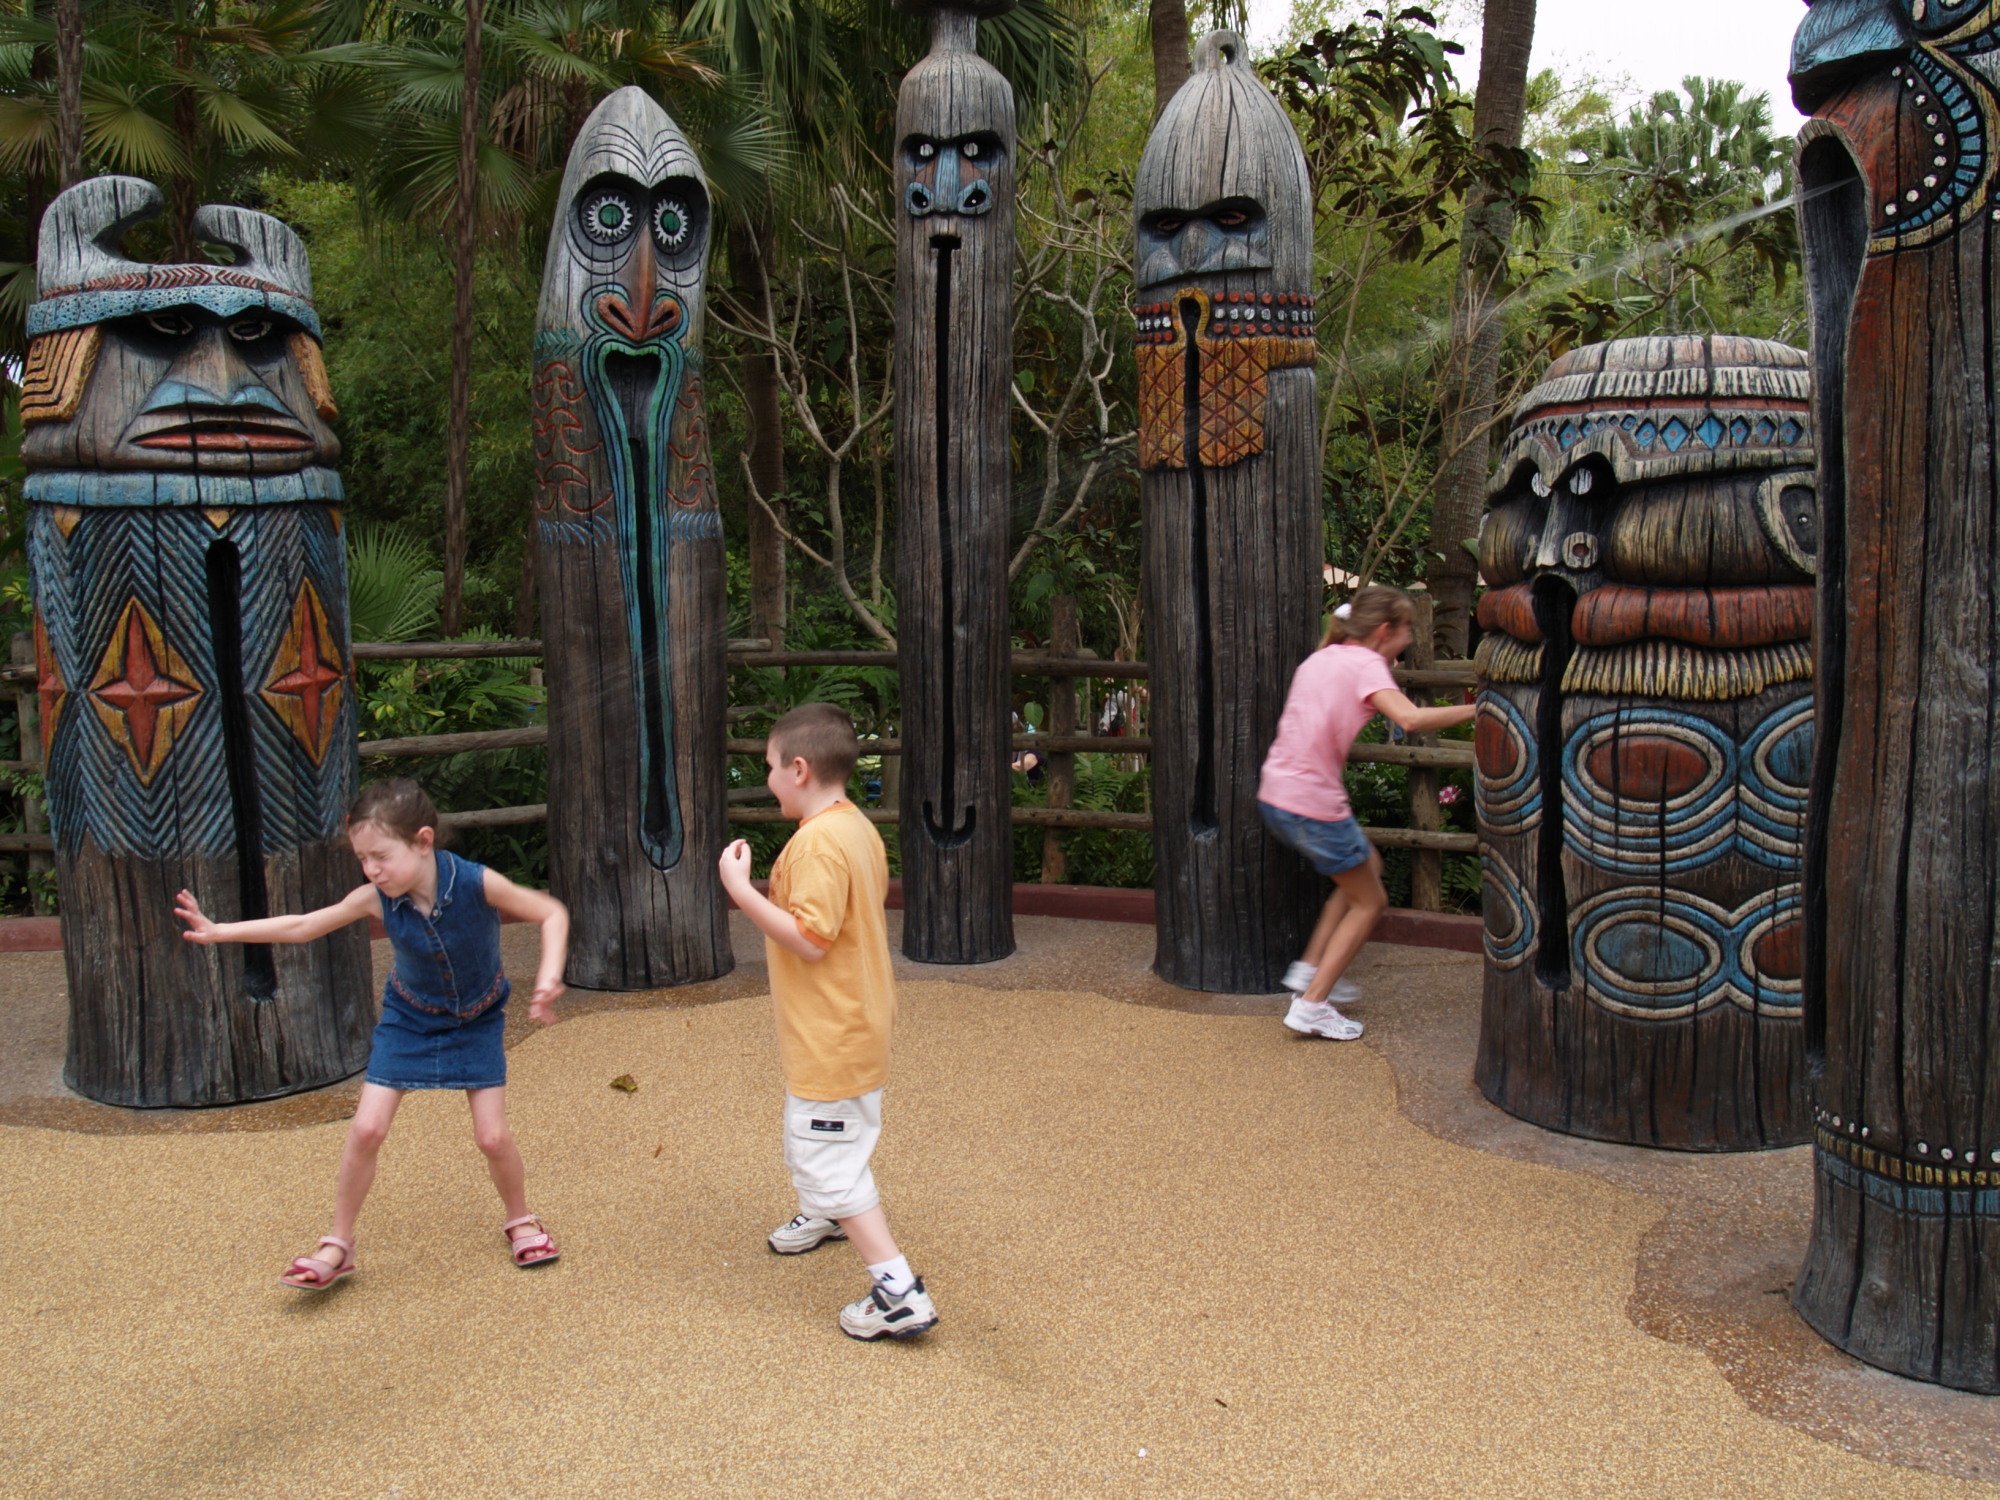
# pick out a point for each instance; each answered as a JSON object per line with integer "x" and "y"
{"x": 1332, "y": 848}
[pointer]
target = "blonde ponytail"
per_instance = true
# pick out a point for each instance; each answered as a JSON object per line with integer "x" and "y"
{"x": 1367, "y": 612}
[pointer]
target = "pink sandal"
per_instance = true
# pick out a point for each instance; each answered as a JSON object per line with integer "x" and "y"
{"x": 309, "y": 1274}
{"x": 530, "y": 1249}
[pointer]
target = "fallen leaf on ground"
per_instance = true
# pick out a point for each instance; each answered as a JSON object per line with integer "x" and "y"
{"x": 625, "y": 1083}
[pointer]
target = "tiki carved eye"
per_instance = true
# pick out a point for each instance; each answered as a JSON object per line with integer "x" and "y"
{"x": 671, "y": 226}
{"x": 606, "y": 217}
{"x": 248, "y": 330}
{"x": 971, "y": 149}
{"x": 1169, "y": 225}
{"x": 177, "y": 325}
{"x": 1232, "y": 218}
{"x": 925, "y": 151}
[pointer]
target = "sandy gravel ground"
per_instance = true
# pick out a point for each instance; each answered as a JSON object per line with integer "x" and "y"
{"x": 1175, "y": 1254}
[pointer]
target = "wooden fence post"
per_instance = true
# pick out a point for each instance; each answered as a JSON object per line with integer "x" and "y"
{"x": 1426, "y": 865}
{"x": 1060, "y": 770}
{"x": 34, "y": 817}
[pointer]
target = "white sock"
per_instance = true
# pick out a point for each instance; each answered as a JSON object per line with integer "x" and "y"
{"x": 895, "y": 1275}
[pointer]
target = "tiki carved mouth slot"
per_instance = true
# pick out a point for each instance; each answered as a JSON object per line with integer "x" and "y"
{"x": 634, "y": 380}
{"x": 1555, "y": 605}
{"x": 943, "y": 831}
{"x": 1205, "y": 818}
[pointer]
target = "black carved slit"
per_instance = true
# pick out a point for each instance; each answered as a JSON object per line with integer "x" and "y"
{"x": 635, "y": 378}
{"x": 1554, "y": 601}
{"x": 253, "y": 898}
{"x": 1836, "y": 233}
{"x": 937, "y": 815}
{"x": 1204, "y": 819}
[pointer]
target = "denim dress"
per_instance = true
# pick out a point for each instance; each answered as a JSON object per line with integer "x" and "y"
{"x": 445, "y": 1004}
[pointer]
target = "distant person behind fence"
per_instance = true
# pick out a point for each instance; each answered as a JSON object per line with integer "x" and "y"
{"x": 443, "y": 1008}
{"x": 1303, "y": 800}
{"x": 828, "y": 949}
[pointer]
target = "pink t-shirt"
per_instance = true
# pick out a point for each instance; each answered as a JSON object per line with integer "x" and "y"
{"x": 1325, "y": 710}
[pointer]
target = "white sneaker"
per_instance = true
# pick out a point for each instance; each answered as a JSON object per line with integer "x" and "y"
{"x": 884, "y": 1315}
{"x": 804, "y": 1233}
{"x": 1321, "y": 1020}
{"x": 1299, "y": 977}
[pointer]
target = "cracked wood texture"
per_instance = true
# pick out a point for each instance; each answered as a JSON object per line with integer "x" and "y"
{"x": 1903, "y": 849}
{"x": 1643, "y": 745}
{"x": 954, "y": 207}
{"x": 184, "y": 541}
{"x": 1230, "y": 485}
{"x": 630, "y": 562}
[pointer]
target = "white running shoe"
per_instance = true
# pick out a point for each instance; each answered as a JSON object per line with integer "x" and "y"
{"x": 883, "y": 1315}
{"x": 1299, "y": 977}
{"x": 1321, "y": 1020}
{"x": 804, "y": 1233}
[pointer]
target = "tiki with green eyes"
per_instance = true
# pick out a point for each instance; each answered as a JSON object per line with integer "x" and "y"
{"x": 184, "y": 540}
{"x": 628, "y": 549}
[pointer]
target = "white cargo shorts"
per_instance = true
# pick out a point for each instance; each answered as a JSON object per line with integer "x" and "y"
{"x": 827, "y": 1146}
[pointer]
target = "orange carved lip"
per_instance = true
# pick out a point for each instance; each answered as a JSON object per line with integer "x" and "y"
{"x": 227, "y": 440}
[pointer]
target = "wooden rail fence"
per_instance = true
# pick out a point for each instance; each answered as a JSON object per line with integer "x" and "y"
{"x": 1063, "y": 666}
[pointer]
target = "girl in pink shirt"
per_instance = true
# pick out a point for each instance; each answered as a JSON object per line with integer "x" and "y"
{"x": 1334, "y": 693}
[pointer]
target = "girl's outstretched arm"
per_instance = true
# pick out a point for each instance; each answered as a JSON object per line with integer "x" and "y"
{"x": 539, "y": 907}
{"x": 362, "y": 901}
{"x": 1396, "y": 707}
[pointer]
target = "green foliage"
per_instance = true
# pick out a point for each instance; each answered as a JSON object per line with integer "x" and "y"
{"x": 392, "y": 589}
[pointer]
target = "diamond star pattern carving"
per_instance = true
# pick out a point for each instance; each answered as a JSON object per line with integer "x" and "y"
{"x": 143, "y": 692}
{"x": 49, "y": 687}
{"x": 307, "y": 675}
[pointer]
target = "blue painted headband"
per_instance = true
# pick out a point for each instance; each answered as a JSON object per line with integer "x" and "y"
{"x": 90, "y": 305}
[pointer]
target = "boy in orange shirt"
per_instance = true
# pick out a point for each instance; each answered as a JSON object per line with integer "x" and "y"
{"x": 828, "y": 951}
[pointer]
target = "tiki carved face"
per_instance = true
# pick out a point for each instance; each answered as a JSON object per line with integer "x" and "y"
{"x": 953, "y": 175}
{"x": 179, "y": 368}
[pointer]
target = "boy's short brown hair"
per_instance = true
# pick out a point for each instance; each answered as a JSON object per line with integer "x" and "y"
{"x": 821, "y": 735}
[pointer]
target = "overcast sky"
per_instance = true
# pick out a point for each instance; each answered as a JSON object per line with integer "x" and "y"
{"x": 1638, "y": 46}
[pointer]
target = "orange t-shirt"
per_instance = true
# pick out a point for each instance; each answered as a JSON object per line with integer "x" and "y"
{"x": 834, "y": 1013}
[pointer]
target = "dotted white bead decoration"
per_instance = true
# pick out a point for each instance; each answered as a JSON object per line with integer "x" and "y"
{"x": 1912, "y": 195}
{"x": 1923, "y": 1148}
{"x": 1946, "y": 1153}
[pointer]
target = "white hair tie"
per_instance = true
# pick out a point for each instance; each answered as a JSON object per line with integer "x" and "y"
{"x": 1343, "y": 612}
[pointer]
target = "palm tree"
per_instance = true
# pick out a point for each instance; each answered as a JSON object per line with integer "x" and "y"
{"x": 1472, "y": 361}
{"x": 484, "y": 105}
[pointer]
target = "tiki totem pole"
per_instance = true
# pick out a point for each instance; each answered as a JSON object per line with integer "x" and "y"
{"x": 1902, "y": 869}
{"x": 1644, "y": 741}
{"x": 191, "y": 638}
{"x": 1230, "y": 483}
{"x": 954, "y": 209}
{"x": 630, "y": 558}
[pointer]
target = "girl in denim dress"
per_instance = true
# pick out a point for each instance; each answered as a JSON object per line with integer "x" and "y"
{"x": 443, "y": 1009}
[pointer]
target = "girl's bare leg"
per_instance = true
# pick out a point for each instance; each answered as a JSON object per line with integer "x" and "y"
{"x": 372, "y": 1118}
{"x": 1322, "y": 933}
{"x": 503, "y": 1157}
{"x": 1362, "y": 886}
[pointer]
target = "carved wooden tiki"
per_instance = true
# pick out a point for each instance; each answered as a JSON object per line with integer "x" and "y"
{"x": 1644, "y": 738}
{"x": 1230, "y": 484}
{"x": 630, "y": 561}
{"x": 954, "y": 212}
{"x": 191, "y": 637}
{"x": 1902, "y": 879}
